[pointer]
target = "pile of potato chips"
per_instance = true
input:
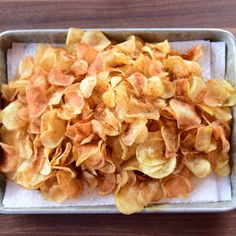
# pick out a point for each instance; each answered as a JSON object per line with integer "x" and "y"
{"x": 132, "y": 118}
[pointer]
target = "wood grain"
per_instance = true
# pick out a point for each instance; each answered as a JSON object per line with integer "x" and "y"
{"x": 117, "y": 13}
{"x": 121, "y": 13}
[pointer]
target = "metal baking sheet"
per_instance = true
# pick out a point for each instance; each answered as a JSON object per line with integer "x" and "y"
{"x": 149, "y": 35}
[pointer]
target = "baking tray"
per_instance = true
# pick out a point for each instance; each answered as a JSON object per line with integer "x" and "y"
{"x": 150, "y": 35}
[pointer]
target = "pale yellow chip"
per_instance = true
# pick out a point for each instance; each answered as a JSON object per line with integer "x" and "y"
{"x": 52, "y": 129}
{"x": 26, "y": 67}
{"x": 10, "y": 117}
{"x": 87, "y": 85}
{"x": 152, "y": 151}
{"x": 74, "y": 35}
{"x": 197, "y": 165}
{"x": 159, "y": 171}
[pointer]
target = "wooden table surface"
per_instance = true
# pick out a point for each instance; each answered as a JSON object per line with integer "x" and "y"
{"x": 121, "y": 13}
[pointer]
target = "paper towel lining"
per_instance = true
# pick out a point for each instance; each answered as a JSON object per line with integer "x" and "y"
{"x": 209, "y": 189}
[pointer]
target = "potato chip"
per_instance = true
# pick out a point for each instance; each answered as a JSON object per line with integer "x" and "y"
{"x": 169, "y": 89}
{"x": 62, "y": 158}
{"x": 203, "y": 138}
{"x": 78, "y": 132}
{"x": 46, "y": 58}
{"x": 176, "y": 186}
{"x": 220, "y": 133}
{"x": 223, "y": 113}
{"x": 155, "y": 87}
{"x": 149, "y": 191}
{"x": 86, "y": 52}
{"x": 177, "y": 67}
{"x": 171, "y": 138}
{"x": 71, "y": 187}
{"x": 89, "y": 179}
{"x": 90, "y": 150}
{"x": 79, "y": 68}
{"x": 134, "y": 198}
{"x": 151, "y": 151}
{"x": 96, "y": 39}
{"x": 197, "y": 89}
{"x": 57, "y": 77}
{"x": 163, "y": 47}
{"x": 158, "y": 172}
{"x": 108, "y": 120}
{"x": 30, "y": 179}
{"x": 74, "y": 100}
{"x": 37, "y": 101}
{"x": 10, "y": 158}
{"x": 106, "y": 183}
{"x": 114, "y": 59}
{"x": 51, "y": 190}
{"x": 219, "y": 93}
{"x": 193, "y": 54}
{"x": 8, "y": 93}
{"x": 185, "y": 114}
{"x": 139, "y": 83}
{"x": 52, "y": 129}
{"x": 128, "y": 47}
{"x": 126, "y": 200}
{"x": 197, "y": 165}
{"x": 87, "y": 85}
{"x": 26, "y": 67}
{"x": 109, "y": 98}
{"x": 137, "y": 133}
{"x": 10, "y": 117}
{"x": 143, "y": 109}
{"x": 74, "y": 35}
{"x": 55, "y": 95}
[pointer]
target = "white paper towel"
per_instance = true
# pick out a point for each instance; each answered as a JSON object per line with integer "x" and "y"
{"x": 209, "y": 189}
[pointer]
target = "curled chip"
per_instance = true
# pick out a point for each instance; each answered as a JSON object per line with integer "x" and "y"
{"x": 151, "y": 151}
{"x": 134, "y": 119}
{"x": 185, "y": 114}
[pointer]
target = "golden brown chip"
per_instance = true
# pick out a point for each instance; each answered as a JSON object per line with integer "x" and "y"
{"x": 10, "y": 158}
{"x": 37, "y": 101}
{"x": 203, "y": 138}
{"x": 171, "y": 138}
{"x": 71, "y": 187}
{"x": 176, "y": 186}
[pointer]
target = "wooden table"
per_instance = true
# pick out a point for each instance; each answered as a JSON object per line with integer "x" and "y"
{"x": 121, "y": 13}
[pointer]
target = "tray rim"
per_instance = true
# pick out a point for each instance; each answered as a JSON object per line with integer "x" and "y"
{"x": 112, "y": 209}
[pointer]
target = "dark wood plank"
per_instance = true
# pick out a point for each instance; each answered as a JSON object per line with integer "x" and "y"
{"x": 121, "y": 13}
{"x": 102, "y": 225}
{"x": 113, "y": 13}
